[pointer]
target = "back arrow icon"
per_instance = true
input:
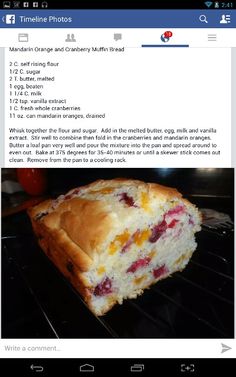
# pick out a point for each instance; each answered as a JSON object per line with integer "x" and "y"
{"x": 36, "y": 368}
{"x": 225, "y": 348}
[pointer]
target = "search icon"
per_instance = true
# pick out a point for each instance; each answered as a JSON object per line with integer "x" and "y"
{"x": 203, "y": 18}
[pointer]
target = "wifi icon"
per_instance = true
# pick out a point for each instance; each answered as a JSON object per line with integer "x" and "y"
{"x": 208, "y": 4}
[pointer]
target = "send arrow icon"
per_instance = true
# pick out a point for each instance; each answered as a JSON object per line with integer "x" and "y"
{"x": 225, "y": 348}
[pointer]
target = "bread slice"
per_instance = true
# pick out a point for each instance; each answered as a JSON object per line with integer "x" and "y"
{"x": 114, "y": 238}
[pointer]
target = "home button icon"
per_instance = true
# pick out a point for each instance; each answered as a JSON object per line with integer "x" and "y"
{"x": 86, "y": 368}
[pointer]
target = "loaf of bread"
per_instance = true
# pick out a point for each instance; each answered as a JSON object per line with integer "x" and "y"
{"x": 114, "y": 238}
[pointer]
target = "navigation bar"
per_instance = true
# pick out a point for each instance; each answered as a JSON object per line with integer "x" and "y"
{"x": 130, "y": 18}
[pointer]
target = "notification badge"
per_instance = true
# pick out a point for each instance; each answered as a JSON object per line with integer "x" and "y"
{"x": 165, "y": 37}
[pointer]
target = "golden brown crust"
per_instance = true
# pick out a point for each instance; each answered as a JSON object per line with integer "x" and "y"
{"x": 86, "y": 222}
{"x": 163, "y": 191}
{"x": 155, "y": 188}
{"x": 41, "y": 207}
{"x": 60, "y": 238}
{"x": 66, "y": 265}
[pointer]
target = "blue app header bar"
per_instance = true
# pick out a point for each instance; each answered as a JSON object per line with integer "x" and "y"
{"x": 130, "y": 18}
